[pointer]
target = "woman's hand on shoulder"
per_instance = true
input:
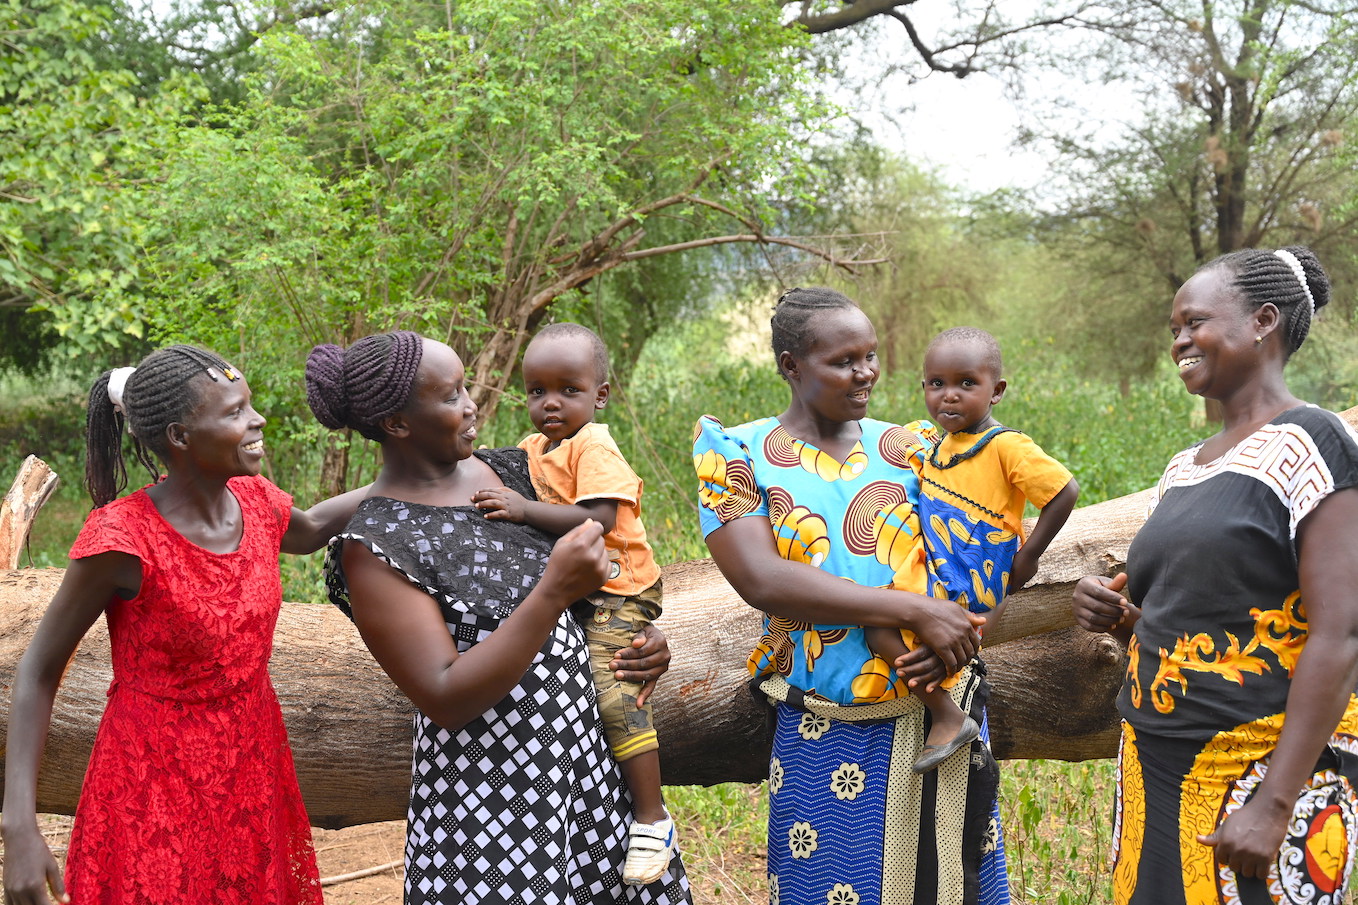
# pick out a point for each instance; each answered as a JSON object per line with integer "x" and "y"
{"x": 1099, "y": 606}
{"x": 644, "y": 662}
{"x": 578, "y": 564}
{"x": 30, "y": 870}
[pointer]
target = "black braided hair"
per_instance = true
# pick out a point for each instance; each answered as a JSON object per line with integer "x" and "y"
{"x": 359, "y": 386}
{"x": 792, "y": 317}
{"x": 163, "y": 390}
{"x": 578, "y": 333}
{"x": 977, "y": 338}
{"x": 1262, "y": 277}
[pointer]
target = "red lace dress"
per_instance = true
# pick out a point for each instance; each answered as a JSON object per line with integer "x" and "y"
{"x": 191, "y": 795}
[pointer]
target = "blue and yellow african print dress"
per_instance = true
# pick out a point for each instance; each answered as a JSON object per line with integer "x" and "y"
{"x": 855, "y": 519}
{"x": 849, "y": 822}
{"x": 972, "y": 493}
{"x": 1223, "y": 624}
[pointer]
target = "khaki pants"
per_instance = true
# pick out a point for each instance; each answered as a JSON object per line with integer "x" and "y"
{"x": 611, "y": 621}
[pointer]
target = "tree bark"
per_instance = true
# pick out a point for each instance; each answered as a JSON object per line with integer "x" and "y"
{"x": 35, "y": 483}
{"x": 1053, "y": 685}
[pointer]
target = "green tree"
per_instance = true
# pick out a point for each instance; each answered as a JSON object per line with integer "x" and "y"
{"x": 1247, "y": 103}
{"x": 73, "y": 137}
{"x": 937, "y": 270}
{"x": 459, "y": 178}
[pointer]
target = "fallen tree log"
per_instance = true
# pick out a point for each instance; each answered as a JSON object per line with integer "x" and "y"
{"x": 1054, "y": 685}
{"x": 350, "y": 727}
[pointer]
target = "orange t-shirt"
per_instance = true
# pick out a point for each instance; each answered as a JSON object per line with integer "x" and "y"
{"x": 589, "y": 466}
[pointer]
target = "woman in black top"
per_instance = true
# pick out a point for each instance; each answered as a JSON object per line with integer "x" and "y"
{"x": 1240, "y": 743}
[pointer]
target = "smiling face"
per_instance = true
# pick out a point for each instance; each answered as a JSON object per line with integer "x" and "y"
{"x": 440, "y": 417}
{"x": 561, "y": 377}
{"x": 834, "y": 378}
{"x": 960, "y": 386}
{"x": 1214, "y": 335}
{"x": 223, "y": 434}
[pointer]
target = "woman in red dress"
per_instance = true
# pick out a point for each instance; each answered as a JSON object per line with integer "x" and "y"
{"x": 190, "y": 794}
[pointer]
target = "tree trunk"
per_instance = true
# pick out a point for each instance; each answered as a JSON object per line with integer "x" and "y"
{"x": 35, "y": 483}
{"x": 1053, "y": 685}
{"x": 335, "y": 463}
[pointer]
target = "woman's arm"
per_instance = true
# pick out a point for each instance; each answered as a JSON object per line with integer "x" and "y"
{"x": 1325, "y": 676}
{"x": 311, "y": 529}
{"x": 744, "y": 551}
{"x": 406, "y": 634}
{"x": 88, "y": 586}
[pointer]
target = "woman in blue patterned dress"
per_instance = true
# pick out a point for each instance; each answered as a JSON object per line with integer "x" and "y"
{"x": 1240, "y": 736}
{"x": 791, "y": 507}
{"x": 514, "y": 796}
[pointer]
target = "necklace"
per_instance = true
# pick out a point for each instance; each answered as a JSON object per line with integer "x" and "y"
{"x": 967, "y": 454}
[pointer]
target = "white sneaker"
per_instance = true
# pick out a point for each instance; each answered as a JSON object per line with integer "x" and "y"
{"x": 649, "y": 849}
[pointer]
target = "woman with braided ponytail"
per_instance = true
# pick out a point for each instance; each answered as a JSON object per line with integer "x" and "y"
{"x": 190, "y": 794}
{"x": 514, "y": 796}
{"x": 1239, "y": 757}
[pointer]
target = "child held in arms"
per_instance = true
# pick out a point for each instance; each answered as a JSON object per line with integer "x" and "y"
{"x": 579, "y": 473}
{"x": 974, "y": 480}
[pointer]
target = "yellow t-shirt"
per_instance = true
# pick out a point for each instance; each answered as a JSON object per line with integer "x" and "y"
{"x": 589, "y": 466}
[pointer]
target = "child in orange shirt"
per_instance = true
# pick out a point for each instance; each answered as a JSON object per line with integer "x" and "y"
{"x": 579, "y": 473}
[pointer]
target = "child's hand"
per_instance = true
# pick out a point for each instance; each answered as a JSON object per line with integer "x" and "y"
{"x": 499, "y": 504}
{"x": 1022, "y": 570}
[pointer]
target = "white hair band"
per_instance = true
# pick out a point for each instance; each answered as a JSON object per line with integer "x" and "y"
{"x": 1291, "y": 261}
{"x": 117, "y": 382}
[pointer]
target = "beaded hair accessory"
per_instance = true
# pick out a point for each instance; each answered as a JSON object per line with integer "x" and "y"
{"x": 117, "y": 382}
{"x": 1291, "y": 261}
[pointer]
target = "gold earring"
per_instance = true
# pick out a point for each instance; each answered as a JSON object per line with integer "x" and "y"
{"x": 1258, "y": 340}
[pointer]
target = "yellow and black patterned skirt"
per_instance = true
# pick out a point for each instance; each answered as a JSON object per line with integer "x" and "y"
{"x": 1170, "y": 790}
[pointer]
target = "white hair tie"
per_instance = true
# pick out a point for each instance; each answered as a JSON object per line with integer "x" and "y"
{"x": 117, "y": 382}
{"x": 1291, "y": 261}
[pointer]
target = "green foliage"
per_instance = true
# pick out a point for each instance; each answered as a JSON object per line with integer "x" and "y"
{"x": 455, "y": 174}
{"x": 73, "y": 137}
{"x": 1058, "y": 828}
{"x": 725, "y": 830}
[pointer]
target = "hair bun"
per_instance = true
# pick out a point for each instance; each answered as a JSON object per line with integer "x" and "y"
{"x": 1317, "y": 281}
{"x": 325, "y": 386}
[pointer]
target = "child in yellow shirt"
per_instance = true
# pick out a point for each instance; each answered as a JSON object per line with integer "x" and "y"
{"x": 974, "y": 481}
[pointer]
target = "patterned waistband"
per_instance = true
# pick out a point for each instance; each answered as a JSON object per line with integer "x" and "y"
{"x": 777, "y": 690}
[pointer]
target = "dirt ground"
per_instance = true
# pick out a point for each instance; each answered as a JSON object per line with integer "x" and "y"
{"x": 338, "y": 853}
{"x": 358, "y": 849}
